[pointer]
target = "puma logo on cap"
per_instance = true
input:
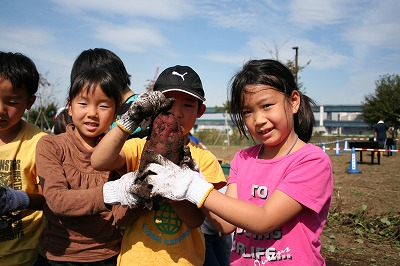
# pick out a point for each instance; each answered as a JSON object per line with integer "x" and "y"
{"x": 178, "y": 74}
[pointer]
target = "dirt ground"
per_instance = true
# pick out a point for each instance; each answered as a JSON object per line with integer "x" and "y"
{"x": 363, "y": 227}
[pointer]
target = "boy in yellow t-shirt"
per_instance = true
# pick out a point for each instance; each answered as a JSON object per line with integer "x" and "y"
{"x": 170, "y": 235}
{"x": 20, "y": 198}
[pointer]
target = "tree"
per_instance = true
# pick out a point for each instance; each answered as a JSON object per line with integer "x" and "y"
{"x": 150, "y": 85}
{"x": 45, "y": 107}
{"x": 384, "y": 102}
{"x": 297, "y": 69}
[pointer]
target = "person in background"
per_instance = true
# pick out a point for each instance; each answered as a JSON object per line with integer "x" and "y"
{"x": 104, "y": 58}
{"x": 21, "y": 200}
{"x": 80, "y": 228}
{"x": 61, "y": 120}
{"x": 218, "y": 245}
{"x": 280, "y": 190}
{"x": 196, "y": 142}
{"x": 170, "y": 235}
{"x": 380, "y": 133}
{"x": 390, "y": 137}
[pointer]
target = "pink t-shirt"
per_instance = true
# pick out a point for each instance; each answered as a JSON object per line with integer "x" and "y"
{"x": 306, "y": 176}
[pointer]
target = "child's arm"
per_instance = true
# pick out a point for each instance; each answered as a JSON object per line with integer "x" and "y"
{"x": 36, "y": 201}
{"x": 12, "y": 200}
{"x": 124, "y": 216}
{"x": 277, "y": 210}
{"x": 184, "y": 184}
{"x": 188, "y": 213}
{"x": 108, "y": 154}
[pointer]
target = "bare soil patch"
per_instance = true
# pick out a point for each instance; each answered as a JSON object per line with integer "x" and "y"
{"x": 364, "y": 220}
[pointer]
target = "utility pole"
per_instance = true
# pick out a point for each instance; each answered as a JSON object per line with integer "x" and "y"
{"x": 296, "y": 62}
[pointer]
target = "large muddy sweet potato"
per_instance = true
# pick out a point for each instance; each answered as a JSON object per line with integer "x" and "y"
{"x": 166, "y": 139}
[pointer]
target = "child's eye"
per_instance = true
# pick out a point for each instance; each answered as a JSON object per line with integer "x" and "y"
{"x": 266, "y": 106}
{"x": 12, "y": 103}
{"x": 189, "y": 105}
{"x": 104, "y": 106}
{"x": 245, "y": 112}
{"x": 82, "y": 103}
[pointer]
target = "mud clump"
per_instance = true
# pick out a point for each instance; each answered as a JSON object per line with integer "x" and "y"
{"x": 166, "y": 139}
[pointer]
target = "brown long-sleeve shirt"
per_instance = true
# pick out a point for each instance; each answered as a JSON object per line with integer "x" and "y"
{"x": 80, "y": 227}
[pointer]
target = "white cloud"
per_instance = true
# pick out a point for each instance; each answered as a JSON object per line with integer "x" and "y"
{"x": 225, "y": 58}
{"x": 243, "y": 15}
{"x": 377, "y": 25}
{"x": 171, "y": 9}
{"x": 308, "y": 14}
{"x": 130, "y": 37}
{"x": 321, "y": 56}
{"x": 21, "y": 38}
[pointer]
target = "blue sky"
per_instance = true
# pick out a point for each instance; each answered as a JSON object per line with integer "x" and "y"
{"x": 350, "y": 43}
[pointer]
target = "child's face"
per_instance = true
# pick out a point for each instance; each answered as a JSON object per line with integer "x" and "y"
{"x": 13, "y": 104}
{"x": 268, "y": 114}
{"x": 185, "y": 109}
{"x": 92, "y": 113}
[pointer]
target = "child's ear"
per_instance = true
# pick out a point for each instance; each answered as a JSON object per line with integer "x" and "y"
{"x": 30, "y": 102}
{"x": 295, "y": 101}
{"x": 201, "y": 110}
{"x": 69, "y": 107}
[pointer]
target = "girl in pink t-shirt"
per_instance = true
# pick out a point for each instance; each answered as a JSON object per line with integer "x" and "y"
{"x": 280, "y": 190}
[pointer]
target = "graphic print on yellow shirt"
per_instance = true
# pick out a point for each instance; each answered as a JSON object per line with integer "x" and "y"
{"x": 168, "y": 223}
{"x": 11, "y": 223}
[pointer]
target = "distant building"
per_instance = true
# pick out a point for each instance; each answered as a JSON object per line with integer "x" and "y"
{"x": 329, "y": 120}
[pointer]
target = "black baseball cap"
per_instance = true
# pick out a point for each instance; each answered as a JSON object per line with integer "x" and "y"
{"x": 180, "y": 78}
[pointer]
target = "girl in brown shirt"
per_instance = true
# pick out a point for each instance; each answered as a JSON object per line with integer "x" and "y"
{"x": 80, "y": 227}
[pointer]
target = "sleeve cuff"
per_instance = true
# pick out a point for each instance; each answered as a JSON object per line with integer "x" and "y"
{"x": 111, "y": 193}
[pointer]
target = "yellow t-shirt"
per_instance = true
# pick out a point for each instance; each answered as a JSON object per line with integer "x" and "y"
{"x": 20, "y": 230}
{"x": 160, "y": 237}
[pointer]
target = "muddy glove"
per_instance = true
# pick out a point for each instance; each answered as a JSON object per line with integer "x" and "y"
{"x": 12, "y": 200}
{"x": 143, "y": 110}
{"x": 119, "y": 191}
{"x": 175, "y": 183}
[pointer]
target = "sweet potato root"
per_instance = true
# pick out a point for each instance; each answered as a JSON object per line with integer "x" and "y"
{"x": 166, "y": 139}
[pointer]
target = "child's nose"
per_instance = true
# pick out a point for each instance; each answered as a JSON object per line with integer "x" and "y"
{"x": 176, "y": 111}
{"x": 92, "y": 111}
{"x": 259, "y": 119}
{"x": 2, "y": 109}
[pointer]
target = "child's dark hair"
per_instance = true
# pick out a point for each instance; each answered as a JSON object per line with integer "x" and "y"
{"x": 61, "y": 122}
{"x": 20, "y": 70}
{"x": 90, "y": 78}
{"x": 275, "y": 74}
{"x": 101, "y": 58}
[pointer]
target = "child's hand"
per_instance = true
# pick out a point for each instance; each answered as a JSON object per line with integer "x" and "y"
{"x": 119, "y": 191}
{"x": 143, "y": 110}
{"x": 175, "y": 183}
{"x": 12, "y": 200}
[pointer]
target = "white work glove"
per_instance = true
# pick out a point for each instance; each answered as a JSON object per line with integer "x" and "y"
{"x": 143, "y": 110}
{"x": 12, "y": 200}
{"x": 119, "y": 191}
{"x": 175, "y": 183}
